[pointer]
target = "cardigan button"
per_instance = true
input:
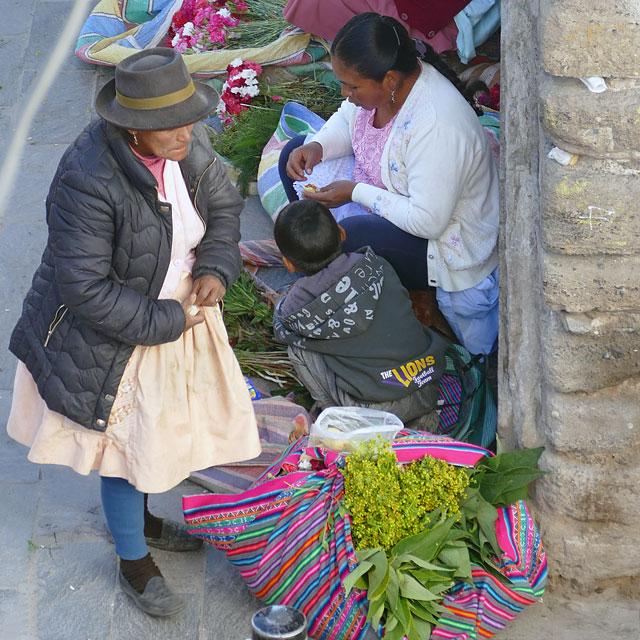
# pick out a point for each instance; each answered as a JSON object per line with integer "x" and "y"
{"x": 430, "y": 257}
{"x": 109, "y": 398}
{"x": 431, "y": 34}
{"x": 101, "y": 423}
{"x": 404, "y": 16}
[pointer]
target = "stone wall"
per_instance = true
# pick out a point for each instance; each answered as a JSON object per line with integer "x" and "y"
{"x": 570, "y": 278}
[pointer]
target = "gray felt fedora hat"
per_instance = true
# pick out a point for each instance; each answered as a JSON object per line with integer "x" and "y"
{"x": 153, "y": 90}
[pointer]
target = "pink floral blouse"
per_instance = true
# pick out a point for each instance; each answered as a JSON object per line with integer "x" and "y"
{"x": 368, "y": 144}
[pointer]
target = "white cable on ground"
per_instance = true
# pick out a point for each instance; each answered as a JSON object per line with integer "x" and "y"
{"x": 14, "y": 151}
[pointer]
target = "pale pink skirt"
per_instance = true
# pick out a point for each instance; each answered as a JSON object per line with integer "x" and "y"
{"x": 180, "y": 407}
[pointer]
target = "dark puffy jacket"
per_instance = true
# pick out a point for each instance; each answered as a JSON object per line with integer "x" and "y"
{"x": 94, "y": 296}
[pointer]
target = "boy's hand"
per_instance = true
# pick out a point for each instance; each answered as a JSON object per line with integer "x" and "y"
{"x": 334, "y": 194}
{"x": 302, "y": 160}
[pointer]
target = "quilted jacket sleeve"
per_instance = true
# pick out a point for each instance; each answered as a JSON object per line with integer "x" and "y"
{"x": 81, "y": 232}
{"x": 218, "y": 253}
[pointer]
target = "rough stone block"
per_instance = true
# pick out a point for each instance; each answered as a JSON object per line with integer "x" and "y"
{"x": 578, "y": 362}
{"x": 559, "y": 615}
{"x": 602, "y": 490}
{"x": 16, "y": 17}
{"x": 130, "y": 622}
{"x": 596, "y": 124}
{"x": 226, "y": 591}
{"x": 587, "y": 553}
{"x": 74, "y": 579}
{"x": 15, "y": 469}
{"x": 72, "y": 93}
{"x": 11, "y": 56}
{"x": 14, "y": 613}
{"x": 607, "y": 421}
{"x": 48, "y": 23}
{"x": 15, "y": 538}
{"x": 599, "y": 324}
{"x": 597, "y": 39}
{"x": 592, "y": 207}
{"x": 585, "y": 283}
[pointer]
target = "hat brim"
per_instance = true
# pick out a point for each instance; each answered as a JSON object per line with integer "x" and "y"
{"x": 201, "y": 103}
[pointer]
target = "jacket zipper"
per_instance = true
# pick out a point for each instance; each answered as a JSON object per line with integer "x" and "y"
{"x": 57, "y": 319}
{"x": 195, "y": 195}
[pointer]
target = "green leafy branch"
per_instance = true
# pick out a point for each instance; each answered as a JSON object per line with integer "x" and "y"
{"x": 406, "y": 584}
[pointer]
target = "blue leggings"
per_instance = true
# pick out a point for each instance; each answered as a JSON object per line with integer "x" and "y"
{"x": 123, "y": 507}
{"x": 407, "y": 254}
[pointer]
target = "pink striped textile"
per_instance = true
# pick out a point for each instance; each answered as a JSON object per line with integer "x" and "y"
{"x": 290, "y": 539}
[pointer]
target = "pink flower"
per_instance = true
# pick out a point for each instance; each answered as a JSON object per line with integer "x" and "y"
{"x": 276, "y": 98}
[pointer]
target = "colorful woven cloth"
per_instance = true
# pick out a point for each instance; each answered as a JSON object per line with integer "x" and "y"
{"x": 260, "y": 253}
{"x": 295, "y": 120}
{"x": 117, "y": 28}
{"x": 277, "y": 419}
{"x": 290, "y": 539}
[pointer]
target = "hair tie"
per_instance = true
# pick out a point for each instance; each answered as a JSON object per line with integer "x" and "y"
{"x": 397, "y": 36}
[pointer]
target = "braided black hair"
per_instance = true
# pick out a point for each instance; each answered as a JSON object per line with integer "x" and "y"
{"x": 373, "y": 44}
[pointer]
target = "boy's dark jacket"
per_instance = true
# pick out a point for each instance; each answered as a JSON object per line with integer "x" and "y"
{"x": 356, "y": 313}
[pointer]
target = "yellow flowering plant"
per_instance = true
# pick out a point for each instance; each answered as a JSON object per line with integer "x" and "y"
{"x": 418, "y": 528}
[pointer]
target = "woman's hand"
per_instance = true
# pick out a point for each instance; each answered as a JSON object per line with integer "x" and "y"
{"x": 302, "y": 160}
{"x": 333, "y": 195}
{"x": 208, "y": 290}
{"x": 192, "y": 317}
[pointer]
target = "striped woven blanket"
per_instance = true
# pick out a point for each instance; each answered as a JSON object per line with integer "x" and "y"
{"x": 289, "y": 537}
{"x": 117, "y": 28}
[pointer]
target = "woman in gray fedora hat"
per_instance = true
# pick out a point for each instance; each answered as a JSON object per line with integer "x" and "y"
{"x": 124, "y": 363}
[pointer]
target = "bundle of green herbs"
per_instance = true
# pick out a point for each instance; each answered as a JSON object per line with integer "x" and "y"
{"x": 418, "y": 528}
{"x": 261, "y": 25}
{"x": 248, "y": 317}
{"x": 243, "y": 138}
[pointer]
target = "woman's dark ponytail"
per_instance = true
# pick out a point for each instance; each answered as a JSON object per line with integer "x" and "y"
{"x": 436, "y": 61}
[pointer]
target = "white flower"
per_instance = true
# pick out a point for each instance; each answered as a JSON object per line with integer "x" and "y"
{"x": 224, "y": 12}
{"x": 252, "y": 91}
{"x": 236, "y": 63}
{"x": 236, "y": 89}
{"x": 221, "y": 108}
{"x": 248, "y": 74}
{"x": 176, "y": 40}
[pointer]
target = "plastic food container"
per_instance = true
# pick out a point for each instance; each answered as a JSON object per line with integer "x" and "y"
{"x": 345, "y": 428}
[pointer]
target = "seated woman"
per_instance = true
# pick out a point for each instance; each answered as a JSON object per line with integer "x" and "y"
{"x": 424, "y": 173}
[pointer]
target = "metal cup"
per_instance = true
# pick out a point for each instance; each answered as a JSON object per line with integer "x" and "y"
{"x": 279, "y": 622}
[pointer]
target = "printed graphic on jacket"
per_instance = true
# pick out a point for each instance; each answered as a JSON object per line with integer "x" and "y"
{"x": 419, "y": 371}
{"x": 358, "y": 316}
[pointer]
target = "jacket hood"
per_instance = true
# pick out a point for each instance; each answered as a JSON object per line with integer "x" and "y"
{"x": 344, "y": 309}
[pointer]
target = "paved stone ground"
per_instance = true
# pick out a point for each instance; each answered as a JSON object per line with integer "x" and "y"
{"x": 58, "y": 577}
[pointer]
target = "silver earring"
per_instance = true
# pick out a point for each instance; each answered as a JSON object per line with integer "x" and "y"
{"x": 135, "y": 138}
{"x": 393, "y": 95}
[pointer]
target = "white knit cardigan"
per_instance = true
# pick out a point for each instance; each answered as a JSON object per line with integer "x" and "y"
{"x": 440, "y": 177}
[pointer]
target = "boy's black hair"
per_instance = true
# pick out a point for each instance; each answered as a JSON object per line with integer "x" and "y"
{"x": 308, "y": 235}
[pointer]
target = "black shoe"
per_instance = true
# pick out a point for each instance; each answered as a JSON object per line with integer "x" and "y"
{"x": 174, "y": 537}
{"x": 156, "y": 599}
